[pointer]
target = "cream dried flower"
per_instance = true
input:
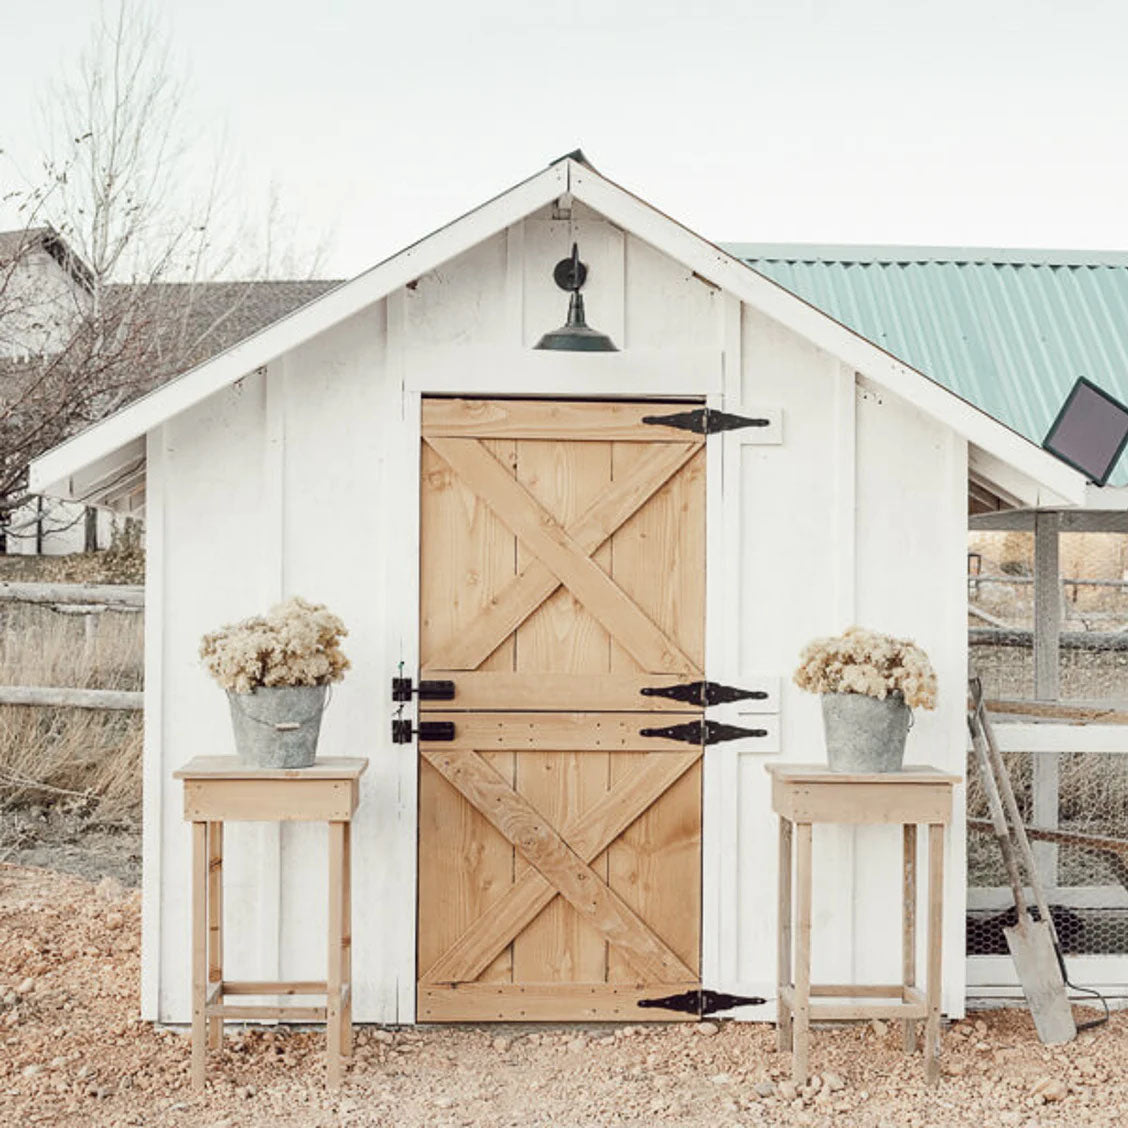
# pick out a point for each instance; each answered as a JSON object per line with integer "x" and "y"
{"x": 861, "y": 661}
{"x": 295, "y": 643}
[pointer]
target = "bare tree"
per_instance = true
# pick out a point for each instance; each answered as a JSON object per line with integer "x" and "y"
{"x": 110, "y": 285}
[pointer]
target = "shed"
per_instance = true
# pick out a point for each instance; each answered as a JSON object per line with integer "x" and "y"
{"x": 398, "y": 449}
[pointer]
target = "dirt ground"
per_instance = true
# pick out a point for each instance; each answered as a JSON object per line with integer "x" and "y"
{"x": 75, "y": 1053}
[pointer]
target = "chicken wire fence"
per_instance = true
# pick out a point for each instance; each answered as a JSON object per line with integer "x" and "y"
{"x": 1082, "y": 793}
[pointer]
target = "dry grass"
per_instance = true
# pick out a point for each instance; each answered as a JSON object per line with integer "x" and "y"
{"x": 87, "y": 757}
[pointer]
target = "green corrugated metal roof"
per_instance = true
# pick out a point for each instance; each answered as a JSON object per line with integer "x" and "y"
{"x": 1007, "y": 330}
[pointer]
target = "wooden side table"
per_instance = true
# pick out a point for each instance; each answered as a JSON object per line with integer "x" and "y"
{"x": 219, "y": 788}
{"x": 804, "y": 794}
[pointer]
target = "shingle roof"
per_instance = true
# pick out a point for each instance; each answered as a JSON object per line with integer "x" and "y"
{"x": 195, "y": 321}
{"x": 1007, "y": 330}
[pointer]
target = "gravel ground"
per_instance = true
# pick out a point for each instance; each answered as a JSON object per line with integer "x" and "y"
{"x": 74, "y": 1053}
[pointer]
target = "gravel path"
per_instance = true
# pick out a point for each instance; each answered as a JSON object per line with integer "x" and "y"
{"x": 75, "y": 1054}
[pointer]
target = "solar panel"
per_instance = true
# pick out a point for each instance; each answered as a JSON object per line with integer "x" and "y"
{"x": 1090, "y": 432}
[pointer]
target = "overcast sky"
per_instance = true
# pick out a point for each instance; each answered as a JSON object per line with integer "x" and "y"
{"x": 989, "y": 123}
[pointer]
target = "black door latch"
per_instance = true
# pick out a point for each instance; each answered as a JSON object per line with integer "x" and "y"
{"x": 428, "y": 731}
{"x": 428, "y": 690}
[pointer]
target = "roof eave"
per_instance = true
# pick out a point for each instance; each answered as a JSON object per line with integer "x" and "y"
{"x": 50, "y": 472}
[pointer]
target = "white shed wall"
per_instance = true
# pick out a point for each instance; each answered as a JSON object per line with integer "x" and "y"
{"x": 303, "y": 480}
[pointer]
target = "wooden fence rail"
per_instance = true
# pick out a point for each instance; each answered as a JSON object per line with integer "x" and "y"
{"x": 57, "y": 696}
{"x": 116, "y": 597}
{"x": 76, "y": 599}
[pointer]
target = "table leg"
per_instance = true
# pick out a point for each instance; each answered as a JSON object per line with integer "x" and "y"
{"x": 783, "y": 954}
{"x": 935, "y": 923}
{"x": 802, "y": 1014}
{"x": 346, "y": 944}
{"x": 199, "y": 949}
{"x": 215, "y": 924}
{"x": 908, "y": 929}
{"x": 333, "y": 1023}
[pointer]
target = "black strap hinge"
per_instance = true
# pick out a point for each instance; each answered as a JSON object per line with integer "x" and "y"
{"x": 428, "y": 731}
{"x": 696, "y": 732}
{"x": 702, "y": 1002}
{"x": 703, "y": 693}
{"x": 705, "y": 421}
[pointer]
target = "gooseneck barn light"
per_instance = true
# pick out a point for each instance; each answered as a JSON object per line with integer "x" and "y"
{"x": 575, "y": 335}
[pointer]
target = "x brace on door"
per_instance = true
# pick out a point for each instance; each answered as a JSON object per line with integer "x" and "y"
{"x": 561, "y": 859}
{"x": 563, "y": 556}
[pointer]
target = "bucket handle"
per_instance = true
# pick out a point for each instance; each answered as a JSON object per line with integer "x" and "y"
{"x": 293, "y": 726}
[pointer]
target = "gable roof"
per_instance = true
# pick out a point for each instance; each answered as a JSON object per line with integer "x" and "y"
{"x": 1044, "y": 479}
{"x": 1007, "y": 330}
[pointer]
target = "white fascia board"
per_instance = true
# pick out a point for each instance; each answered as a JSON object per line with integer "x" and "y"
{"x": 1106, "y": 497}
{"x": 778, "y": 303}
{"x": 49, "y": 472}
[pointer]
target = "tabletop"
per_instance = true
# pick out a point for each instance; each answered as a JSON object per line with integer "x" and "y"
{"x": 820, "y": 773}
{"x": 230, "y": 767}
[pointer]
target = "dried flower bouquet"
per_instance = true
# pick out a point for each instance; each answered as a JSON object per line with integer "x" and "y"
{"x": 870, "y": 663}
{"x": 295, "y": 643}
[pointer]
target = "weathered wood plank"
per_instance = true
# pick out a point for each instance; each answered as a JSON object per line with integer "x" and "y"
{"x": 130, "y": 596}
{"x": 547, "y": 1002}
{"x": 571, "y": 692}
{"x": 57, "y": 696}
{"x": 548, "y": 419}
{"x": 558, "y": 732}
{"x": 1081, "y": 712}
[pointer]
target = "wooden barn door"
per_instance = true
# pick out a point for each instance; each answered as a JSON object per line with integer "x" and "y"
{"x": 562, "y": 583}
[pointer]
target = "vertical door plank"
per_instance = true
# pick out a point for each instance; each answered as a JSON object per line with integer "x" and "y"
{"x": 655, "y": 866}
{"x": 658, "y": 558}
{"x": 562, "y": 636}
{"x": 468, "y": 557}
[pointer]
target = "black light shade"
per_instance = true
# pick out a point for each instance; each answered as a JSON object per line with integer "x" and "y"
{"x": 575, "y": 335}
{"x": 1090, "y": 432}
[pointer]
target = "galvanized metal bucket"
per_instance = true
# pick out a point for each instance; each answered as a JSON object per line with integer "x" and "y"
{"x": 277, "y": 726}
{"x": 865, "y": 734}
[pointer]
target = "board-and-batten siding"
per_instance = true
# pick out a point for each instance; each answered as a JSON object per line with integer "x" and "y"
{"x": 830, "y": 535}
{"x": 292, "y": 483}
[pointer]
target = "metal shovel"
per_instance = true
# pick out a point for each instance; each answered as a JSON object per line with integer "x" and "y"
{"x": 1032, "y": 943}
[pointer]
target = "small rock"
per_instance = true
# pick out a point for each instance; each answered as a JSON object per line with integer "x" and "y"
{"x": 788, "y": 1090}
{"x": 879, "y": 1027}
{"x": 385, "y": 1036}
{"x": 245, "y": 1091}
{"x": 981, "y": 1028}
{"x": 1050, "y": 1089}
{"x": 110, "y": 889}
{"x": 114, "y": 920}
{"x": 25, "y": 986}
{"x": 833, "y": 1082}
{"x": 955, "y": 1068}
{"x": 30, "y": 1070}
{"x": 720, "y": 1078}
{"x": 577, "y": 1045}
{"x": 765, "y": 1089}
{"x": 502, "y": 1044}
{"x": 707, "y": 1029}
{"x": 443, "y": 1102}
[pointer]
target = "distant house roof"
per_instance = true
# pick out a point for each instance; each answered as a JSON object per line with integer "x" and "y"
{"x": 195, "y": 321}
{"x": 1007, "y": 330}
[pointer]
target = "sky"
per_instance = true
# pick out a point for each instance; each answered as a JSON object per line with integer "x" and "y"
{"x": 989, "y": 123}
